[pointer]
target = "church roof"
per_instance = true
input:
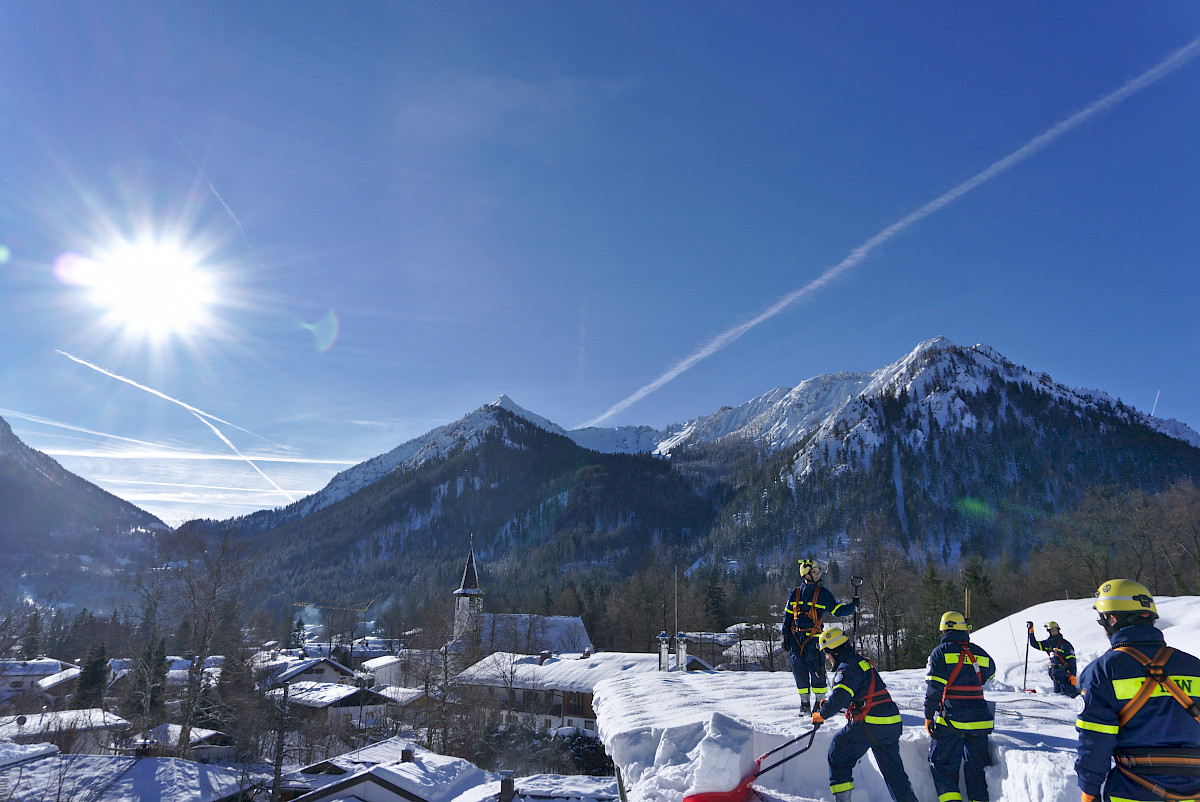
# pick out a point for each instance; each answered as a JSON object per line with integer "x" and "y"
{"x": 470, "y": 580}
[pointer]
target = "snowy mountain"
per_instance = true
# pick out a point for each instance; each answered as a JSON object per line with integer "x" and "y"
{"x": 673, "y": 734}
{"x": 838, "y": 409}
{"x": 59, "y": 530}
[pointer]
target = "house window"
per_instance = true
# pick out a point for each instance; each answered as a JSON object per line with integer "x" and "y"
{"x": 548, "y": 724}
{"x": 17, "y": 684}
{"x": 574, "y": 703}
{"x": 589, "y": 725}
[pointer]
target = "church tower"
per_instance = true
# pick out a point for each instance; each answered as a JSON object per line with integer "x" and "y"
{"x": 468, "y": 599}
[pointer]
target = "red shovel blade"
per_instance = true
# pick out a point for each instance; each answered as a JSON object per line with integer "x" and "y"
{"x": 739, "y": 794}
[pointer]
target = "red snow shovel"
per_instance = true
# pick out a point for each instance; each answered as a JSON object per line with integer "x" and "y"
{"x": 742, "y": 792}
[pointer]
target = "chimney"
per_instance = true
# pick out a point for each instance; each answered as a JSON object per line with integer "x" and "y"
{"x": 508, "y": 787}
{"x": 664, "y": 647}
{"x": 543, "y": 656}
{"x": 681, "y": 642}
{"x": 407, "y": 756}
{"x": 586, "y": 653}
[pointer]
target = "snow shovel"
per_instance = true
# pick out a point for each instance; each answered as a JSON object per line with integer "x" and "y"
{"x": 742, "y": 792}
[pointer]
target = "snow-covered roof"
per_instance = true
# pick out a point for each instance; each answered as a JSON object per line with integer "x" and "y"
{"x": 297, "y": 667}
{"x": 566, "y": 672}
{"x": 543, "y": 787}
{"x": 106, "y": 778}
{"x": 401, "y": 696}
{"x": 429, "y": 776}
{"x": 57, "y": 721}
{"x": 13, "y": 754}
{"x": 679, "y": 733}
{"x": 377, "y": 663}
{"x": 40, "y": 667}
{"x": 169, "y": 734}
{"x": 66, "y": 675}
{"x": 563, "y": 633}
{"x": 322, "y": 694}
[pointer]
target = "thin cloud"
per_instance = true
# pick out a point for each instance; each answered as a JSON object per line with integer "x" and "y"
{"x": 9, "y": 413}
{"x": 205, "y": 487}
{"x": 188, "y": 455}
{"x": 1173, "y": 62}
{"x": 199, "y": 414}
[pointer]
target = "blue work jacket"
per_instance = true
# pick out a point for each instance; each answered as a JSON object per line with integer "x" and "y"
{"x": 852, "y": 685}
{"x": 1062, "y": 653}
{"x": 964, "y": 708}
{"x": 806, "y": 610}
{"x": 1107, "y": 685}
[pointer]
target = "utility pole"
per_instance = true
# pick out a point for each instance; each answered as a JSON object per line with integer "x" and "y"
{"x": 280, "y": 737}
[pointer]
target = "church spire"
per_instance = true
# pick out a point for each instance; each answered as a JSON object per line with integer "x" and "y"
{"x": 470, "y": 579}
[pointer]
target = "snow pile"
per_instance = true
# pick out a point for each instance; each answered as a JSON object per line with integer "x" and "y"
{"x": 673, "y": 734}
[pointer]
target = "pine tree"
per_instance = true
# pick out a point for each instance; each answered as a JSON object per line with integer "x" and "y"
{"x": 93, "y": 677}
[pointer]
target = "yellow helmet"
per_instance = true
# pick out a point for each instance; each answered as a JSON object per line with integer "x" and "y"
{"x": 953, "y": 620}
{"x": 831, "y": 639}
{"x": 806, "y": 566}
{"x": 1052, "y": 625}
{"x": 1119, "y": 596}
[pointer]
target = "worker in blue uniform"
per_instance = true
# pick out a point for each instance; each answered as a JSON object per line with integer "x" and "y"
{"x": 874, "y": 720}
{"x": 957, "y": 717}
{"x": 802, "y": 624}
{"x": 1062, "y": 657}
{"x": 1139, "y": 722}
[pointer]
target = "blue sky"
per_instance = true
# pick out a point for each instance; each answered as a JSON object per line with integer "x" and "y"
{"x": 394, "y": 212}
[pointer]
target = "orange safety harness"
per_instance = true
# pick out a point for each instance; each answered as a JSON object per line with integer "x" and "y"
{"x": 811, "y": 613}
{"x": 1156, "y": 678}
{"x": 859, "y": 708}
{"x": 962, "y": 692}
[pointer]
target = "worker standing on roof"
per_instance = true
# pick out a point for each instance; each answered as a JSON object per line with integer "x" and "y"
{"x": 802, "y": 617}
{"x": 1139, "y": 707}
{"x": 957, "y": 717}
{"x": 874, "y": 721}
{"x": 1062, "y": 657}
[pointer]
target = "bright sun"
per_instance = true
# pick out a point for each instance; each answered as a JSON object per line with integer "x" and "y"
{"x": 149, "y": 288}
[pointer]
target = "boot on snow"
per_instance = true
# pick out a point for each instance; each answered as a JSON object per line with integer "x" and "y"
{"x": 841, "y": 796}
{"x": 804, "y": 708}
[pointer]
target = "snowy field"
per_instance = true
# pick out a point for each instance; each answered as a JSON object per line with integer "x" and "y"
{"x": 673, "y": 734}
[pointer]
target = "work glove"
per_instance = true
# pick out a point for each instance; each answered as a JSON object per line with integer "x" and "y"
{"x": 929, "y": 726}
{"x": 817, "y": 719}
{"x": 1084, "y": 796}
{"x": 1074, "y": 680}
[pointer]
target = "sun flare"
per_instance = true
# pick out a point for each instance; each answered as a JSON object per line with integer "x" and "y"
{"x": 148, "y": 288}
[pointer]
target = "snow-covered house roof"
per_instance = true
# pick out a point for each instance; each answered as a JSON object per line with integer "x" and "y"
{"x": 548, "y": 788}
{"x": 428, "y": 777}
{"x": 575, "y": 673}
{"x": 377, "y": 663}
{"x": 35, "y": 726}
{"x": 401, "y": 696}
{"x": 530, "y": 633}
{"x": 39, "y": 667}
{"x": 105, "y": 778}
{"x": 327, "y": 694}
{"x": 55, "y": 680}
{"x": 14, "y": 754}
{"x": 297, "y": 667}
{"x": 169, "y": 734}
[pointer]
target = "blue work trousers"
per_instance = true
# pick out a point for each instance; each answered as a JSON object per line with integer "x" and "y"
{"x": 808, "y": 667}
{"x": 947, "y": 752}
{"x": 849, "y": 745}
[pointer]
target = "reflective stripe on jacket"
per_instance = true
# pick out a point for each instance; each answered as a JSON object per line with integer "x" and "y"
{"x": 853, "y": 681}
{"x": 806, "y": 610}
{"x": 964, "y": 708}
{"x": 1109, "y": 683}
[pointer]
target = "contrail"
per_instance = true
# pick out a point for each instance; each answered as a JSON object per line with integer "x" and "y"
{"x": 1039, "y": 142}
{"x": 200, "y": 415}
{"x": 249, "y": 461}
{"x": 213, "y": 189}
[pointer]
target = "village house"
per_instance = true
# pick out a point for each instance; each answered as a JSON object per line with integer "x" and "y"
{"x": 336, "y": 704}
{"x": 18, "y": 681}
{"x": 78, "y": 732}
{"x": 551, "y": 692}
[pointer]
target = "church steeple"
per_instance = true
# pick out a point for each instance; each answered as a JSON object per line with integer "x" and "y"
{"x": 468, "y": 599}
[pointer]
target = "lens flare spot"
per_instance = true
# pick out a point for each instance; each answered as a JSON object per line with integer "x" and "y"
{"x": 974, "y": 508}
{"x": 324, "y": 331}
{"x": 5, "y": 254}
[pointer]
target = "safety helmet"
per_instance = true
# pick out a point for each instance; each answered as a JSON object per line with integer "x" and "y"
{"x": 953, "y": 620}
{"x": 1052, "y": 625}
{"x": 807, "y": 565}
{"x": 831, "y": 639}
{"x": 1120, "y": 596}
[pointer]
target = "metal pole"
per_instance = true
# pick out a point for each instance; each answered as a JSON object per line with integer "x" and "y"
{"x": 856, "y": 581}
